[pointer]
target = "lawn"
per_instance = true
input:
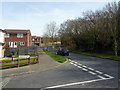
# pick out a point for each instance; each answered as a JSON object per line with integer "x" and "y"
{"x": 57, "y": 58}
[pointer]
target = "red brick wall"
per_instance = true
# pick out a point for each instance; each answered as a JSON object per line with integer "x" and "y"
{"x": 13, "y": 38}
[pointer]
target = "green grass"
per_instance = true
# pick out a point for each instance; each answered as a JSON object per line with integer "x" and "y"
{"x": 98, "y": 55}
{"x": 58, "y": 58}
{"x": 33, "y": 55}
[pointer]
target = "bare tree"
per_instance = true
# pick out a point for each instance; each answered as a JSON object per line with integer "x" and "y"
{"x": 95, "y": 32}
{"x": 111, "y": 12}
{"x": 51, "y": 31}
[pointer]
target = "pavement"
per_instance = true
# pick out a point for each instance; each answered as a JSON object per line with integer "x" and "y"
{"x": 45, "y": 63}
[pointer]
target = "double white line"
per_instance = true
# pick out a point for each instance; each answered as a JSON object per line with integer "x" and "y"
{"x": 89, "y": 70}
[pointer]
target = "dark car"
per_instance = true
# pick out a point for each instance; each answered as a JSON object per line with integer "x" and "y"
{"x": 63, "y": 52}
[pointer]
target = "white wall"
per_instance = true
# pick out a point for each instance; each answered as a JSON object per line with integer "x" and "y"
{"x": 1, "y": 41}
{"x": 1, "y": 37}
{"x": 0, "y": 51}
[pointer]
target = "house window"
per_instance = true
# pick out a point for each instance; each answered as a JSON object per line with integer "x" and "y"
{"x": 33, "y": 39}
{"x": 22, "y": 43}
{"x": 10, "y": 44}
{"x": 20, "y": 35}
{"x": 15, "y": 44}
{"x": 7, "y": 35}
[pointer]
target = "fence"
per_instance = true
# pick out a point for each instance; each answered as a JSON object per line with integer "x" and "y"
{"x": 22, "y": 50}
{"x": 18, "y": 62}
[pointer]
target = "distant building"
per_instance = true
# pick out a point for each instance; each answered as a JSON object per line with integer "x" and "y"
{"x": 36, "y": 41}
{"x": 2, "y": 42}
{"x": 17, "y": 38}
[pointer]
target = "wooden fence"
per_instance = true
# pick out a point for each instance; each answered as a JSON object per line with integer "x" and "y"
{"x": 18, "y": 62}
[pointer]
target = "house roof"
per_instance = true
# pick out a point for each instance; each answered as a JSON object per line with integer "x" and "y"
{"x": 14, "y": 31}
{"x": 36, "y": 37}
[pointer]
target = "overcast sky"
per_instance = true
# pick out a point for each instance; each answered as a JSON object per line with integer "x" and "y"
{"x": 35, "y": 15}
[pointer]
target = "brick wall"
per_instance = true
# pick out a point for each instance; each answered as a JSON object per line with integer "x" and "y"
{"x": 13, "y": 38}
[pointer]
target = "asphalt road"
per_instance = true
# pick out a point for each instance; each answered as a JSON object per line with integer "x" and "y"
{"x": 80, "y": 72}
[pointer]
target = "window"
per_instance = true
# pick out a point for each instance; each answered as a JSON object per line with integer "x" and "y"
{"x": 7, "y": 35}
{"x": 22, "y": 43}
{"x": 20, "y": 35}
{"x": 15, "y": 44}
{"x": 33, "y": 39}
{"x": 10, "y": 44}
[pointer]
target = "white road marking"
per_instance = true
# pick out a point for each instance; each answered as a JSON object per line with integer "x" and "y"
{"x": 92, "y": 73}
{"x": 91, "y": 69}
{"x": 99, "y": 72}
{"x": 79, "y": 67}
{"x": 74, "y": 64}
{"x": 101, "y": 77}
{"x": 71, "y": 63}
{"x": 84, "y": 66}
{"x": 84, "y": 69}
{"x": 108, "y": 76}
{"x": 76, "y": 83}
{"x": 79, "y": 64}
{"x": 5, "y": 81}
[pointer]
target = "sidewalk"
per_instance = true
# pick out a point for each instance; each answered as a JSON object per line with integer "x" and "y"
{"x": 45, "y": 63}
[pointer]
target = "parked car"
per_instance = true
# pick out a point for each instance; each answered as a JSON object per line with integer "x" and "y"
{"x": 63, "y": 52}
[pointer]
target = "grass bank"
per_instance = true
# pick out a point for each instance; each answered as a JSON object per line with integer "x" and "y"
{"x": 98, "y": 55}
{"x": 57, "y": 58}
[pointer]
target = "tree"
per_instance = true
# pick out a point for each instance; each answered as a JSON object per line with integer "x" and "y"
{"x": 95, "y": 32}
{"x": 51, "y": 31}
{"x": 112, "y": 17}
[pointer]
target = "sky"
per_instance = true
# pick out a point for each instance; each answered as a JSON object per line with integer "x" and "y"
{"x": 36, "y": 15}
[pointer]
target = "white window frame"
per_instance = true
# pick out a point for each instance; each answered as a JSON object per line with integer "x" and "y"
{"x": 7, "y": 35}
{"x": 33, "y": 39}
{"x": 10, "y": 44}
{"x": 22, "y": 43}
{"x": 20, "y": 35}
{"x": 15, "y": 44}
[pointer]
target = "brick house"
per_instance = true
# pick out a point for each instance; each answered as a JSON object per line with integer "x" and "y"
{"x": 36, "y": 41}
{"x": 2, "y": 42}
{"x": 17, "y": 38}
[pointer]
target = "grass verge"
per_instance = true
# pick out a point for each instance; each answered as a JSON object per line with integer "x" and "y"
{"x": 58, "y": 58}
{"x": 98, "y": 55}
{"x": 13, "y": 63}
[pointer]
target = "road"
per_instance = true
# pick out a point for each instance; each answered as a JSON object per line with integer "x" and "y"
{"x": 80, "y": 72}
